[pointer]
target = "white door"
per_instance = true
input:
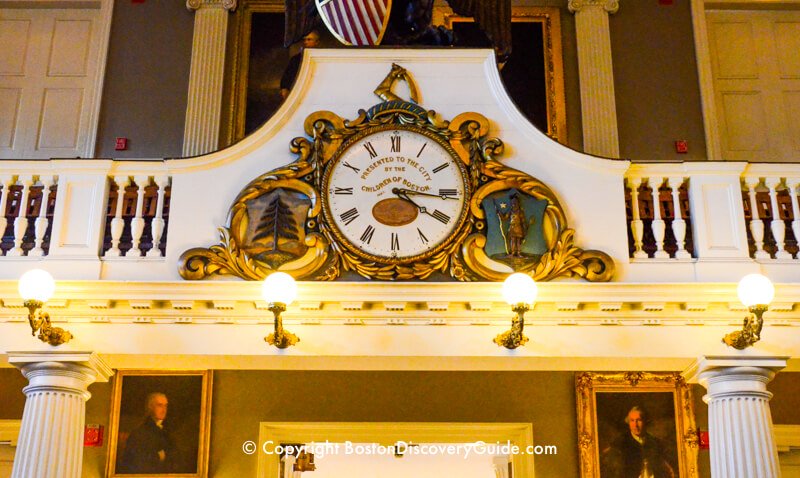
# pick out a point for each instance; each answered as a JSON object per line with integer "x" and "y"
{"x": 51, "y": 65}
{"x": 755, "y": 62}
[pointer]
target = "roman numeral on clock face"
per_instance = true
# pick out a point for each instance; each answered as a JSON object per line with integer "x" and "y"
{"x": 348, "y": 165}
{"x": 395, "y": 242}
{"x": 440, "y": 167}
{"x": 367, "y": 236}
{"x": 422, "y": 237}
{"x": 349, "y": 216}
{"x": 447, "y": 192}
{"x": 440, "y": 216}
{"x": 338, "y": 190}
{"x": 370, "y": 150}
{"x": 422, "y": 149}
{"x": 395, "y": 144}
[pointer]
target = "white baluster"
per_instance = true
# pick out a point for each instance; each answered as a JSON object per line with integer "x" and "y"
{"x": 777, "y": 225}
{"x": 659, "y": 227}
{"x": 137, "y": 223}
{"x": 21, "y": 221}
{"x": 637, "y": 226}
{"x": 118, "y": 224}
{"x": 157, "y": 224}
{"x": 678, "y": 223}
{"x": 5, "y": 184}
{"x": 41, "y": 221}
{"x": 756, "y": 223}
{"x": 792, "y": 184}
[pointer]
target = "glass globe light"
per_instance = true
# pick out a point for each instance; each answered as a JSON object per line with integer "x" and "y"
{"x": 755, "y": 289}
{"x": 36, "y": 284}
{"x": 279, "y": 287}
{"x": 519, "y": 288}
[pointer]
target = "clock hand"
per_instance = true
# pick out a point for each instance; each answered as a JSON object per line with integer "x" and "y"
{"x": 417, "y": 193}
{"x": 401, "y": 193}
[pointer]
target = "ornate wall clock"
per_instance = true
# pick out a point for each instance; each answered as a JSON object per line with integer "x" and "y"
{"x": 396, "y": 193}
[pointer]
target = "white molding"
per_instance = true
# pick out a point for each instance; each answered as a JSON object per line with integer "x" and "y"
{"x": 104, "y": 37}
{"x": 387, "y": 433}
{"x": 706, "y": 80}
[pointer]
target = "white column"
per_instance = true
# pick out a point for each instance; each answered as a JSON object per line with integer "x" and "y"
{"x": 678, "y": 222}
{"x": 598, "y": 104}
{"x": 51, "y": 436}
{"x": 41, "y": 221}
{"x": 756, "y": 223}
{"x": 741, "y": 436}
{"x": 637, "y": 226}
{"x": 659, "y": 227}
{"x": 137, "y": 223}
{"x": 791, "y": 183}
{"x": 5, "y": 190}
{"x": 204, "y": 105}
{"x": 21, "y": 221}
{"x": 777, "y": 225}
{"x": 118, "y": 223}
{"x": 157, "y": 223}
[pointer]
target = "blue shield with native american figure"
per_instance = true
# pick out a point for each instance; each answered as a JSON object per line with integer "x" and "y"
{"x": 514, "y": 233}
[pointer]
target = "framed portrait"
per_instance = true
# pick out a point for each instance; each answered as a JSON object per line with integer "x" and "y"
{"x": 636, "y": 424}
{"x": 159, "y": 424}
{"x": 534, "y": 73}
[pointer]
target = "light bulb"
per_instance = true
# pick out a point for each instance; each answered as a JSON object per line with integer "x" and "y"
{"x": 519, "y": 288}
{"x": 279, "y": 287}
{"x": 755, "y": 289}
{"x": 36, "y": 284}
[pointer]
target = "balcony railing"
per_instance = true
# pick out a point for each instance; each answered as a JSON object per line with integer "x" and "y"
{"x": 116, "y": 215}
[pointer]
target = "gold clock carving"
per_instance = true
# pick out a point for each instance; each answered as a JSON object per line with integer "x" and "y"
{"x": 394, "y": 194}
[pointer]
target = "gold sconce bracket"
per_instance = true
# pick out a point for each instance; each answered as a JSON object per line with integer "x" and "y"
{"x": 751, "y": 329}
{"x": 280, "y": 338}
{"x": 514, "y": 337}
{"x": 41, "y": 323}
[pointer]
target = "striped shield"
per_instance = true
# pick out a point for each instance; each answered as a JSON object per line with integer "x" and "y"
{"x": 356, "y": 22}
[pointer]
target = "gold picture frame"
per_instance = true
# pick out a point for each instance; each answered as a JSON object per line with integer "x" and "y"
{"x": 609, "y": 405}
{"x": 553, "y": 63}
{"x": 141, "y": 399}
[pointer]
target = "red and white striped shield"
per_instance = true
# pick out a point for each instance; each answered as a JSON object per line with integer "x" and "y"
{"x": 356, "y": 22}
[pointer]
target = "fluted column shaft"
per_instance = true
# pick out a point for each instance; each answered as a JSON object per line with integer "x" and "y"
{"x": 598, "y": 104}
{"x": 51, "y": 436}
{"x": 204, "y": 103}
{"x": 741, "y": 437}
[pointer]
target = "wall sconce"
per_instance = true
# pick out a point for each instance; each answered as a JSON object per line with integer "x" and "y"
{"x": 279, "y": 290}
{"x": 756, "y": 292}
{"x": 519, "y": 290}
{"x": 37, "y": 287}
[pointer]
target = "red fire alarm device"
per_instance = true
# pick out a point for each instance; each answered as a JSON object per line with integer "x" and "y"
{"x": 681, "y": 146}
{"x": 93, "y": 435}
{"x": 121, "y": 144}
{"x": 702, "y": 439}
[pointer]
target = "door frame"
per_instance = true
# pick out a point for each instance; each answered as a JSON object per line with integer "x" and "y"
{"x": 387, "y": 433}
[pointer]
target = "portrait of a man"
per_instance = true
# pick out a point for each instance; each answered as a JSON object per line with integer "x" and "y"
{"x": 159, "y": 423}
{"x": 636, "y": 454}
{"x": 636, "y": 425}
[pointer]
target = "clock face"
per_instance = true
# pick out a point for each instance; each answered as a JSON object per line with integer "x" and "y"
{"x": 395, "y": 194}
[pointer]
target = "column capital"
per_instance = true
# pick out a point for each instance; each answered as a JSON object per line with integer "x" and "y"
{"x": 724, "y": 375}
{"x": 224, "y": 4}
{"x": 611, "y": 6}
{"x": 62, "y": 370}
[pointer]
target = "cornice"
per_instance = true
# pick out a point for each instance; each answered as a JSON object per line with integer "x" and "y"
{"x": 197, "y": 4}
{"x": 611, "y": 6}
{"x": 365, "y": 303}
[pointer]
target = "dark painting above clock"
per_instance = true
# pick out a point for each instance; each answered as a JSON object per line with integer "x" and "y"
{"x": 533, "y": 76}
